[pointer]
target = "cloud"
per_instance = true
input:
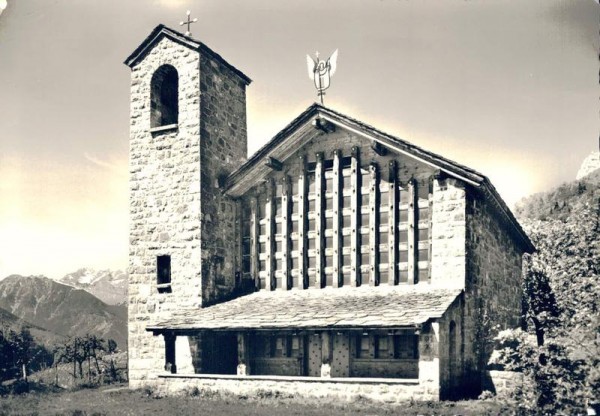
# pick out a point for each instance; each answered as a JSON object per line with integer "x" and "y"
{"x": 99, "y": 162}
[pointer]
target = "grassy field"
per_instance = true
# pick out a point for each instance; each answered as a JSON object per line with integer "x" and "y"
{"x": 121, "y": 401}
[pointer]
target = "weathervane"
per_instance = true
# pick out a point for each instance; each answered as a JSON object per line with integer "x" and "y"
{"x": 321, "y": 72}
{"x": 188, "y": 23}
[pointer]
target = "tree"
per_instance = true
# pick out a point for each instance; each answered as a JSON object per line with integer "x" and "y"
{"x": 561, "y": 303}
{"x": 112, "y": 346}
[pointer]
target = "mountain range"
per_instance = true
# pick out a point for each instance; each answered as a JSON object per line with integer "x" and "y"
{"x": 61, "y": 309}
{"x": 107, "y": 285}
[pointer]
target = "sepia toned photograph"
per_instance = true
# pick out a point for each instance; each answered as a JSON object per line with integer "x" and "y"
{"x": 360, "y": 207}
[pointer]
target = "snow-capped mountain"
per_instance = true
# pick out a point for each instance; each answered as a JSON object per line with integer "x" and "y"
{"x": 61, "y": 309}
{"x": 110, "y": 286}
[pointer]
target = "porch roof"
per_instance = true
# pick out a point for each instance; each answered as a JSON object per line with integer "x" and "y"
{"x": 331, "y": 308}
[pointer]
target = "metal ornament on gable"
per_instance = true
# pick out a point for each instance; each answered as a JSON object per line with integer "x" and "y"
{"x": 321, "y": 72}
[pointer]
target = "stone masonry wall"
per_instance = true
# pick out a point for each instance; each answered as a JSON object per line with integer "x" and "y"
{"x": 448, "y": 251}
{"x": 345, "y": 391}
{"x": 452, "y": 372}
{"x": 494, "y": 275}
{"x": 223, "y": 148}
{"x": 176, "y": 206}
{"x": 164, "y": 203}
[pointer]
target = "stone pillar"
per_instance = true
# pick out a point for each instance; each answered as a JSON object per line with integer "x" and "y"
{"x": 243, "y": 367}
{"x": 429, "y": 358}
{"x": 326, "y": 354}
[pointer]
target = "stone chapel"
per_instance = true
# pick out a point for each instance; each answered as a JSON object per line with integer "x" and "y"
{"x": 336, "y": 260}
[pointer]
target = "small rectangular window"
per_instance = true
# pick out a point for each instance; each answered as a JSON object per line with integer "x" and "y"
{"x": 346, "y": 240}
{"x": 384, "y": 197}
{"x": 295, "y": 262}
{"x": 383, "y": 237}
{"x": 383, "y": 257}
{"x": 328, "y": 261}
{"x": 346, "y": 221}
{"x": 364, "y": 199}
{"x": 364, "y": 220}
{"x": 346, "y": 181}
{"x": 329, "y": 184}
{"x": 328, "y": 223}
{"x": 329, "y": 280}
{"x": 362, "y": 346}
{"x": 294, "y": 227}
{"x": 403, "y": 256}
{"x": 365, "y": 239}
{"x": 294, "y": 244}
{"x": 403, "y": 237}
{"x": 347, "y": 202}
{"x": 406, "y": 346}
{"x": 404, "y": 196}
{"x": 163, "y": 273}
{"x": 328, "y": 242}
{"x": 328, "y": 203}
{"x": 403, "y": 216}
{"x": 383, "y": 218}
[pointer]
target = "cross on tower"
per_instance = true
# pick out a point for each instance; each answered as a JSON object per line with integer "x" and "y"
{"x": 188, "y": 23}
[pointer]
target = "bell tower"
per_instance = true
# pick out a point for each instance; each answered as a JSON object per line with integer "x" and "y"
{"x": 187, "y": 133}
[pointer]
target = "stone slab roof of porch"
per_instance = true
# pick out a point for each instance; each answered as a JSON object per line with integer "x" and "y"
{"x": 364, "y": 307}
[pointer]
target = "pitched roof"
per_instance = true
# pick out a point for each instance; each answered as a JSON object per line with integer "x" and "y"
{"x": 161, "y": 30}
{"x": 285, "y": 143}
{"x": 341, "y": 308}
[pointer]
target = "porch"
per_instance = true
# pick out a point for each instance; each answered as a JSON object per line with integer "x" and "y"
{"x": 379, "y": 336}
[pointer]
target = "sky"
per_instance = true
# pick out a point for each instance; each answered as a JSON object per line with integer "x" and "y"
{"x": 509, "y": 88}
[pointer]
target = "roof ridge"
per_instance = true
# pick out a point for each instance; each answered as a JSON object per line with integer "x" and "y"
{"x": 181, "y": 38}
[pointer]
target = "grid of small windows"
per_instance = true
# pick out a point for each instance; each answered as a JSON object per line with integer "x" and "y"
{"x": 278, "y": 234}
{"x": 263, "y": 242}
{"x": 346, "y": 224}
{"x": 423, "y": 232}
{"x": 315, "y": 230}
{"x": 403, "y": 230}
{"x": 400, "y": 347}
{"x": 295, "y": 232}
{"x": 311, "y": 230}
{"x": 247, "y": 244}
{"x": 328, "y": 231}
